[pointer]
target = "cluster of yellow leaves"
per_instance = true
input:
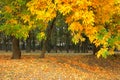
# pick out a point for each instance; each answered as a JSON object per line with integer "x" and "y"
{"x": 26, "y": 18}
{"x": 75, "y": 26}
{"x": 91, "y": 31}
{"x": 8, "y": 9}
{"x": 12, "y": 21}
{"x": 103, "y": 10}
{"x": 100, "y": 52}
{"x": 28, "y": 21}
{"x": 117, "y": 5}
{"x": 44, "y": 10}
{"x": 88, "y": 18}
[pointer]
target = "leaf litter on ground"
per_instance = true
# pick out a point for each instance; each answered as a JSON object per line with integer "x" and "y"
{"x": 59, "y": 67}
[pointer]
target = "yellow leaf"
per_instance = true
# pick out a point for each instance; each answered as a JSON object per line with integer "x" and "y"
{"x": 8, "y": 9}
{"x": 26, "y": 18}
{"x": 75, "y": 26}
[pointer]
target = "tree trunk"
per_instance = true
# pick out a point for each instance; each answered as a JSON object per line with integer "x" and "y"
{"x": 33, "y": 44}
{"x": 15, "y": 48}
{"x": 48, "y": 36}
{"x": 95, "y": 49}
{"x": 28, "y": 45}
{"x": 42, "y": 55}
{"x": 5, "y": 44}
{"x": 84, "y": 48}
{"x": 23, "y": 45}
{"x": 67, "y": 42}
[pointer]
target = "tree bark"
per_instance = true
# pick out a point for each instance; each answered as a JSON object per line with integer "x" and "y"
{"x": 95, "y": 49}
{"x": 15, "y": 48}
{"x": 42, "y": 55}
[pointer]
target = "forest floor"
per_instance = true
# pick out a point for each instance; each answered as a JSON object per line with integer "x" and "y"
{"x": 65, "y": 66}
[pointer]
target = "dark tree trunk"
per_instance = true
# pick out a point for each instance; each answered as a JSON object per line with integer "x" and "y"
{"x": 67, "y": 42}
{"x": 67, "y": 47}
{"x": 84, "y": 46}
{"x": 95, "y": 49}
{"x": 33, "y": 44}
{"x": 15, "y": 48}
{"x": 48, "y": 46}
{"x": 28, "y": 45}
{"x": 78, "y": 47}
{"x": 5, "y": 44}
{"x": 55, "y": 46}
{"x": 23, "y": 45}
{"x": 75, "y": 48}
{"x": 48, "y": 36}
{"x": 42, "y": 55}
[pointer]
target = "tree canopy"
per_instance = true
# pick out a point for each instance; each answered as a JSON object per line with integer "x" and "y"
{"x": 97, "y": 19}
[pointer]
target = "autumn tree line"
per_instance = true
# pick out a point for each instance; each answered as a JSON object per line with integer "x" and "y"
{"x": 59, "y": 41}
{"x": 60, "y": 24}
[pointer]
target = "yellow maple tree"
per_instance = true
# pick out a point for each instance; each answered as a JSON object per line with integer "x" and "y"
{"x": 93, "y": 18}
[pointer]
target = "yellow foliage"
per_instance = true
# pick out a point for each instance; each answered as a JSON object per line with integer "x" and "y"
{"x": 75, "y": 26}
{"x": 83, "y": 16}
{"x": 42, "y": 34}
{"x": 103, "y": 10}
{"x": 44, "y": 10}
{"x": 8, "y": 9}
{"x": 64, "y": 9}
{"x": 88, "y": 18}
{"x": 102, "y": 51}
{"x": 26, "y": 18}
{"x": 77, "y": 15}
{"x": 77, "y": 37}
{"x": 12, "y": 21}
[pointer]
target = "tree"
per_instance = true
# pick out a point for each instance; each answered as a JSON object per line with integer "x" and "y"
{"x": 14, "y": 13}
{"x": 88, "y": 17}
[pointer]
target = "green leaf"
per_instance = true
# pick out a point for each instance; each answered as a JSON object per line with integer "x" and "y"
{"x": 111, "y": 41}
{"x": 119, "y": 38}
{"x": 105, "y": 54}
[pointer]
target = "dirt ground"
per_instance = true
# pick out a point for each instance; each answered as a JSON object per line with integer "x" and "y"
{"x": 64, "y": 66}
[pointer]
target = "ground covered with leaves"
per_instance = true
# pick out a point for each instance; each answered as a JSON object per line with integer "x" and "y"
{"x": 59, "y": 67}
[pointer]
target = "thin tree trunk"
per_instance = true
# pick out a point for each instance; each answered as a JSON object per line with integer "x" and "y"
{"x": 67, "y": 42}
{"x": 23, "y": 45}
{"x": 5, "y": 44}
{"x": 28, "y": 45}
{"x": 33, "y": 44}
{"x": 15, "y": 48}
